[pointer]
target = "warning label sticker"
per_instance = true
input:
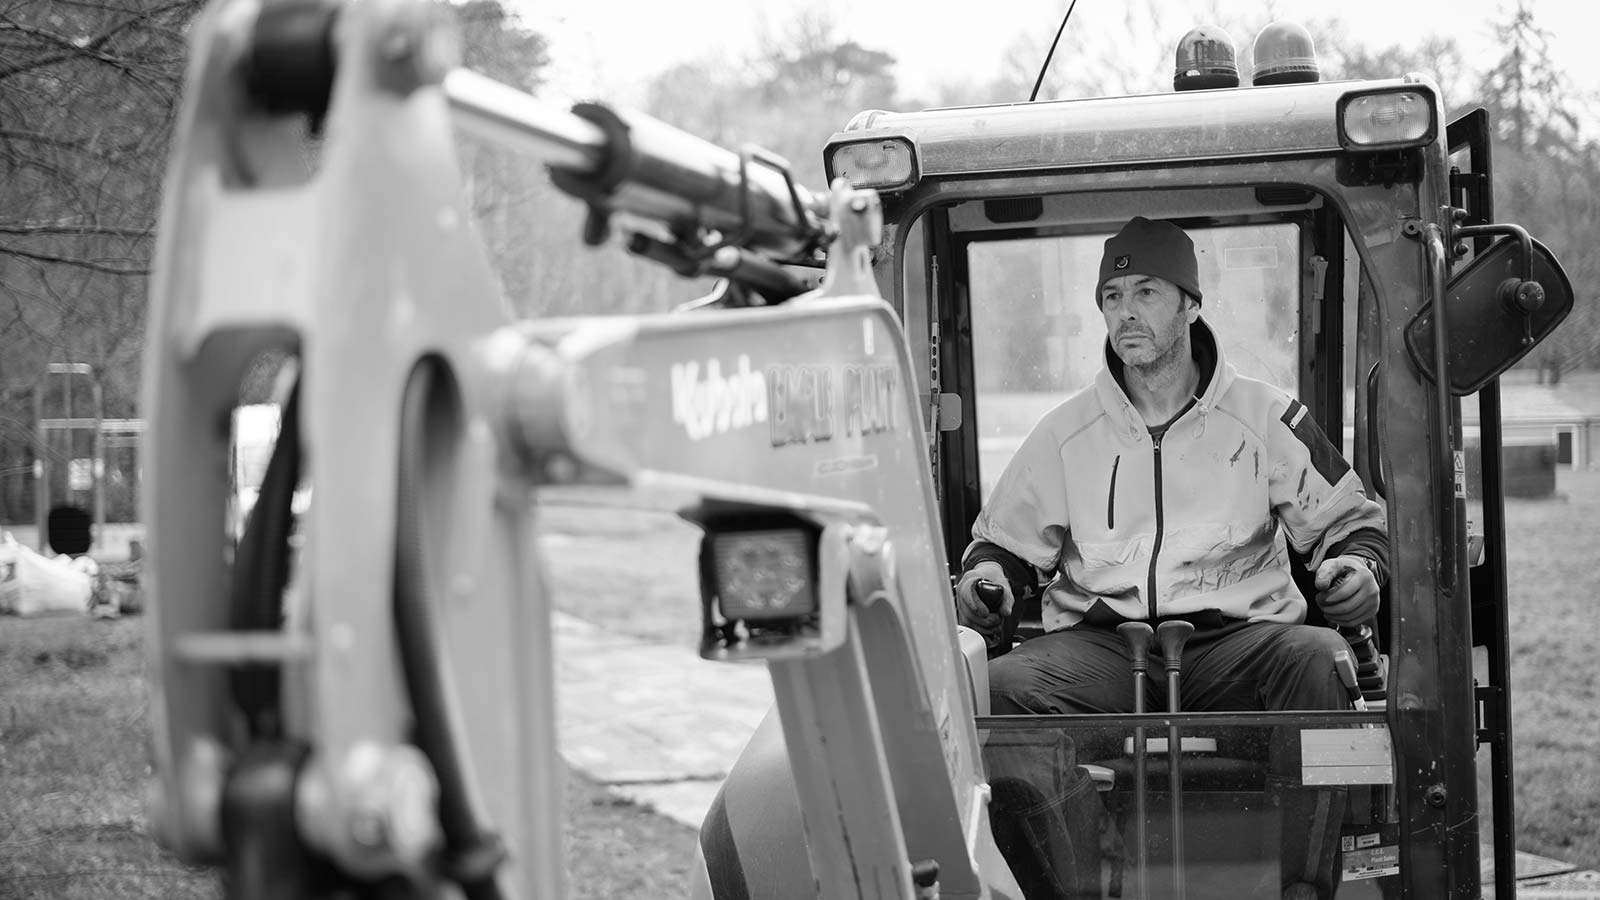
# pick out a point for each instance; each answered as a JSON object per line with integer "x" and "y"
{"x": 1361, "y": 859}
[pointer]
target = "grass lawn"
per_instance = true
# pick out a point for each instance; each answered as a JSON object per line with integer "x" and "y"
{"x": 1555, "y": 684}
{"x": 72, "y": 766}
{"x": 73, "y": 739}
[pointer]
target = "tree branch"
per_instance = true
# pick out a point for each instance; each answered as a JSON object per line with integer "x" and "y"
{"x": 92, "y": 48}
{"x": 35, "y": 137}
{"x": 91, "y": 265}
{"x": 76, "y": 230}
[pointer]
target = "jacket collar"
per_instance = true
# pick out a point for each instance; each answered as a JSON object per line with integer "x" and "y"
{"x": 1215, "y": 373}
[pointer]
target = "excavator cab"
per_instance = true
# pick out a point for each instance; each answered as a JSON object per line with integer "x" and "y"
{"x": 1331, "y": 230}
{"x": 1284, "y": 298}
{"x": 1349, "y": 254}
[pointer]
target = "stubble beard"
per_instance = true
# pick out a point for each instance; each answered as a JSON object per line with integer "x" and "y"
{"x": 1150, "y": 365}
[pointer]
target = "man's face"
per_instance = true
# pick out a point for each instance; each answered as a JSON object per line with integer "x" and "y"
{"x": 1145, "y": 317}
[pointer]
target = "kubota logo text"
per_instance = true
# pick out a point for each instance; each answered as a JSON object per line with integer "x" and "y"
{"x": 706, "y": 402}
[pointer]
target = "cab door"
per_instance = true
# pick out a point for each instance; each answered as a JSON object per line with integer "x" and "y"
{"x": 1472, "y": 190}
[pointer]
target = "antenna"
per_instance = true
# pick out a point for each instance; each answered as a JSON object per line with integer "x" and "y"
{"x": 1046, "y": 67}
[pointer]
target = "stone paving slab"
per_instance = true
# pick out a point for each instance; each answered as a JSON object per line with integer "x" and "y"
{"x": 654, "y": 722}
{"x": 685, "y": 802}
{"x": 660, "y": 726}
{"x": 1542, "y": 878}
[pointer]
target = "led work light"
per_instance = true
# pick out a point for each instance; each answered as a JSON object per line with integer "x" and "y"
{"x": 772, "y": 586}
{"x": 765, "y": 575}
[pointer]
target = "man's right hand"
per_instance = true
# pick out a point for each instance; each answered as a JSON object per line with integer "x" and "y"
{"x": 971, "y": 611}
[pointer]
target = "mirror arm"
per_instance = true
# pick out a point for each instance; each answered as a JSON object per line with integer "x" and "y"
{"x": 1484, "y": 301}
{"x": 1522, "y": 295}
{"x": 1516, "y": 232}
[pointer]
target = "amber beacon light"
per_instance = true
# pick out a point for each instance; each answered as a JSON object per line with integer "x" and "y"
{"x": 1205, "y": 60}
{"x": 1284, "y": 54}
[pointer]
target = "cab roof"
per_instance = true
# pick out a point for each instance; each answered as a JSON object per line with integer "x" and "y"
{"x": 1280, "y": 120}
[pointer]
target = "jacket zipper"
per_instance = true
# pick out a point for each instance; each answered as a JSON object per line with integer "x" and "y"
{"x": 1155, "y": 548}
{"x": 1111, "y": 496}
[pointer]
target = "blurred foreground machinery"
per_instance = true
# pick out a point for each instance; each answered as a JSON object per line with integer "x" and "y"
{"x": 359, "y": 695}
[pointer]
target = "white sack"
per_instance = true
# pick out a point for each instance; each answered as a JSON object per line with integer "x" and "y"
{"x": 34, "y": 584}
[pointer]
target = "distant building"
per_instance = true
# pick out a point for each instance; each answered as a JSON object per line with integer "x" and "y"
{"x": 1531, "y": 413}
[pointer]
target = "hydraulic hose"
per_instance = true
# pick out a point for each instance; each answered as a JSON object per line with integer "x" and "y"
{"x": 473, "y": 852}
{"x": 261, "y": 572}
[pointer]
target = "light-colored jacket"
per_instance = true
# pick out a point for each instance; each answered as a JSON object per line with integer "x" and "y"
{"x": 1194, "y": 521}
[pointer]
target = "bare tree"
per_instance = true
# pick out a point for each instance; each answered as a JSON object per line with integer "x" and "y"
{"x": 88, "y": 92}
{"x": 528, "y": 226}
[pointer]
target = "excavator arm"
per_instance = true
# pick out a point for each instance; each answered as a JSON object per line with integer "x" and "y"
{"x": 359, "y": 692}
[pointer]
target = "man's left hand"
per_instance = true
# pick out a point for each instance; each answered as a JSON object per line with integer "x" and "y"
{"x": 1350, "y": 600}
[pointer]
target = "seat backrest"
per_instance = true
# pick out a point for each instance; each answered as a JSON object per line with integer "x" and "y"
{"x": 1029, "y": 618}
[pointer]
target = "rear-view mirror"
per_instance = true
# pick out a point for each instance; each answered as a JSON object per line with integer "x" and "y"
{"x": 1495, "y": 316}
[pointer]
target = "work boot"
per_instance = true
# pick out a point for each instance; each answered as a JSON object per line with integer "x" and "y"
{"x": 1047, "y": 816}
{"x": 1308, "y": 850}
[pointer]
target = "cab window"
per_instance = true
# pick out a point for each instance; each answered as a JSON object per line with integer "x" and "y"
{"x": 1038, "y": 337}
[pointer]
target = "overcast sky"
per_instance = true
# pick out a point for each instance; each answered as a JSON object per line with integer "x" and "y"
{"x": 611, "y": 48}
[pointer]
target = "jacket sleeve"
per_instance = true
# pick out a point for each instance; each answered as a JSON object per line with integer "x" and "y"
{"x": 1371, "y": 544}
{"x": 1023, "y": 578}
{"x": 1026, "y": 513}
{"x": 1316, "y": 496}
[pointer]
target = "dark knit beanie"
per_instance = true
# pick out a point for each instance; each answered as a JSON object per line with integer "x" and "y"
{"x": 1157, "y": 249}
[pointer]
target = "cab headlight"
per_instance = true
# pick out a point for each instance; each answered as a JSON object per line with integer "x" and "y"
{"x": 1386, "y": 120}
{"x": 884, "y": 164}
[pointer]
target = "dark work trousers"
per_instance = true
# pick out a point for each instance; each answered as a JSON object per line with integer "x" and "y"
{"x": 1241, "y": 667}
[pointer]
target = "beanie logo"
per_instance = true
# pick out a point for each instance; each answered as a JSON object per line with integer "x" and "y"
{"x": 1122, "y": 262}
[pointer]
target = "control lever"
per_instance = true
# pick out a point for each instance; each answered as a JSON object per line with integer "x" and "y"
{"x": 1138, "y": 636}
{"x": 1364, "y": 645}
{"x": 1346, "y": 667}
{"x": 1369, "y": 675}
{"x": 1172, "y": 635}
{"x": 990, "y": 594}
